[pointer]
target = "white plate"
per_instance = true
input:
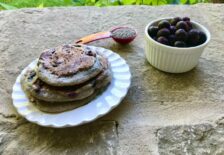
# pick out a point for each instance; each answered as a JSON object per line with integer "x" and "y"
{"x": 109, "y": 99}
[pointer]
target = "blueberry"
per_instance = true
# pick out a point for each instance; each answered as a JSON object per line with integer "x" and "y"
{"x": 163, "y": 40}
{"x": 163, "y": 32}
{"x": 172, "y": 29}
{"x": 152, "y": 31}
{"x": 180, "y": 44}
{"x": 154, "y": 38}
{"x": 181, "y": 35}
{"x": 202, "y": 37}
{"x": 186, "y": 19}
{"x": 182, "y": 25}
{"x": 175, "y": 20}
{"x": 193, "y": 37}
{"x": 171, "y": 39}
{"x": 164, "y": 24}
{"x": 189, "y": 25}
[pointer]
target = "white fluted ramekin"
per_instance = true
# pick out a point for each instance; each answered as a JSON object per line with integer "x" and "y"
{"x": 173, "y": 59}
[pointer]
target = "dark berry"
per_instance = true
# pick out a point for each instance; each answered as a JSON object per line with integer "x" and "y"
{"x": 164, "y": 24}
{"x": 186, "y": 19}
{"x": 154, "y": 38}
{"x": 163, "y": 32}
{"x": 163, "y": 40}
{"x": 202, "y": 37}
{"x": 171, "y": 39}
{"x": 180, "y": 44}
{"x": 153, "y": 31}
{"x": 175, "y": 20}
{"x": 189, "y": 25}
{"x": 182, "y": 25}
{"x": 181, "y": 35}
{"x": 193, "y": 37}
{"x": 172, "y": 29}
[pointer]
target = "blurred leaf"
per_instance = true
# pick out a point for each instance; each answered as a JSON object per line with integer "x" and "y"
{"x": 41, "y": 5}
{"x": 155, "y": 2}
{"x": 162, "y": 2}
{"x": 7, "y": 7}
{"x": 159, "y": 2}
{"x": 79, "y": 2}
{"x": 128, "y": 2}
{"x": 101, "y": 3}
{"x": 67, "y": 2}
{"x": 147, "y": 2}
{"x": 193, "y": 1}
{"x": 89, "y": 2}
{"x": 114, "y": 2}
{"x": 138, "y": 2}
{"x": 173, "y": 1}
{"x": 183, "y": 1}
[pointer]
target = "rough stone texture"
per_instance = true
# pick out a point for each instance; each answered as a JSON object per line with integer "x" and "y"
{"x": 202, "y": 139}
{"x": 155, "y": 100}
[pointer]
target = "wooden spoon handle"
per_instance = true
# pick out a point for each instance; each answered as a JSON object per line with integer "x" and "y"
{"x": 94, "y": 37}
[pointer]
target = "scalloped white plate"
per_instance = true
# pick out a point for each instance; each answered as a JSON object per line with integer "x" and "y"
{"x": 104, "y": 103}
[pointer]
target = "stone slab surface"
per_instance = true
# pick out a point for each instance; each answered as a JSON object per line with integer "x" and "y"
{"x": 157, "y": 102}
{"x": 196, "y": 139}
{"x": 26, "y": 138}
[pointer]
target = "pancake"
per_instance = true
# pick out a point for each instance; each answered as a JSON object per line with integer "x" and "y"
{"x": 57, "y": 107}
{"x": 68, "y": 65}
{"x": 32, "y": 85}
{"x": 66, "y": 77}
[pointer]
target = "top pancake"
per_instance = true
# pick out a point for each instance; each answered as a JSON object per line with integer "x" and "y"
{"x": 68, "y": 65}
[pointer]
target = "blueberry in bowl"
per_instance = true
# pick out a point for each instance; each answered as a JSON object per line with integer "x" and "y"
{"x": 175, "y": 44}
{"x": 182, "y": 29}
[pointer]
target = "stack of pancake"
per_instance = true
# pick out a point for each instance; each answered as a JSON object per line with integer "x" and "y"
{"x": 66, "y": 77}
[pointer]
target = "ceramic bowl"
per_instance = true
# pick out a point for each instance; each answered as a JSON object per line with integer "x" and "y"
{"x": 173, "y": 59}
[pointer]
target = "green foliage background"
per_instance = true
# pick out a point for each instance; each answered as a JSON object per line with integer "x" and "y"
{"x": 14, "y": 4}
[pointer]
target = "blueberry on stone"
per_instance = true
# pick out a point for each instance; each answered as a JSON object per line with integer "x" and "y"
{"x": 172, "y": 29}
{"x": 180, "y": 44}
{"x": 171, "y": 39}
{"x": 202, "y": 37}
{"x": 152, "y": 31}
{"x": 175, "y": 20}
{"x": 164, "y": 24}
{"x": 182, "y": 25}
{"x": 163, "y": 40}
{"x": 186, "y": 19}
{"x": 163, "y": 32}
{"x": 193, "y": 37}
{"x": 181, "y": 35}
